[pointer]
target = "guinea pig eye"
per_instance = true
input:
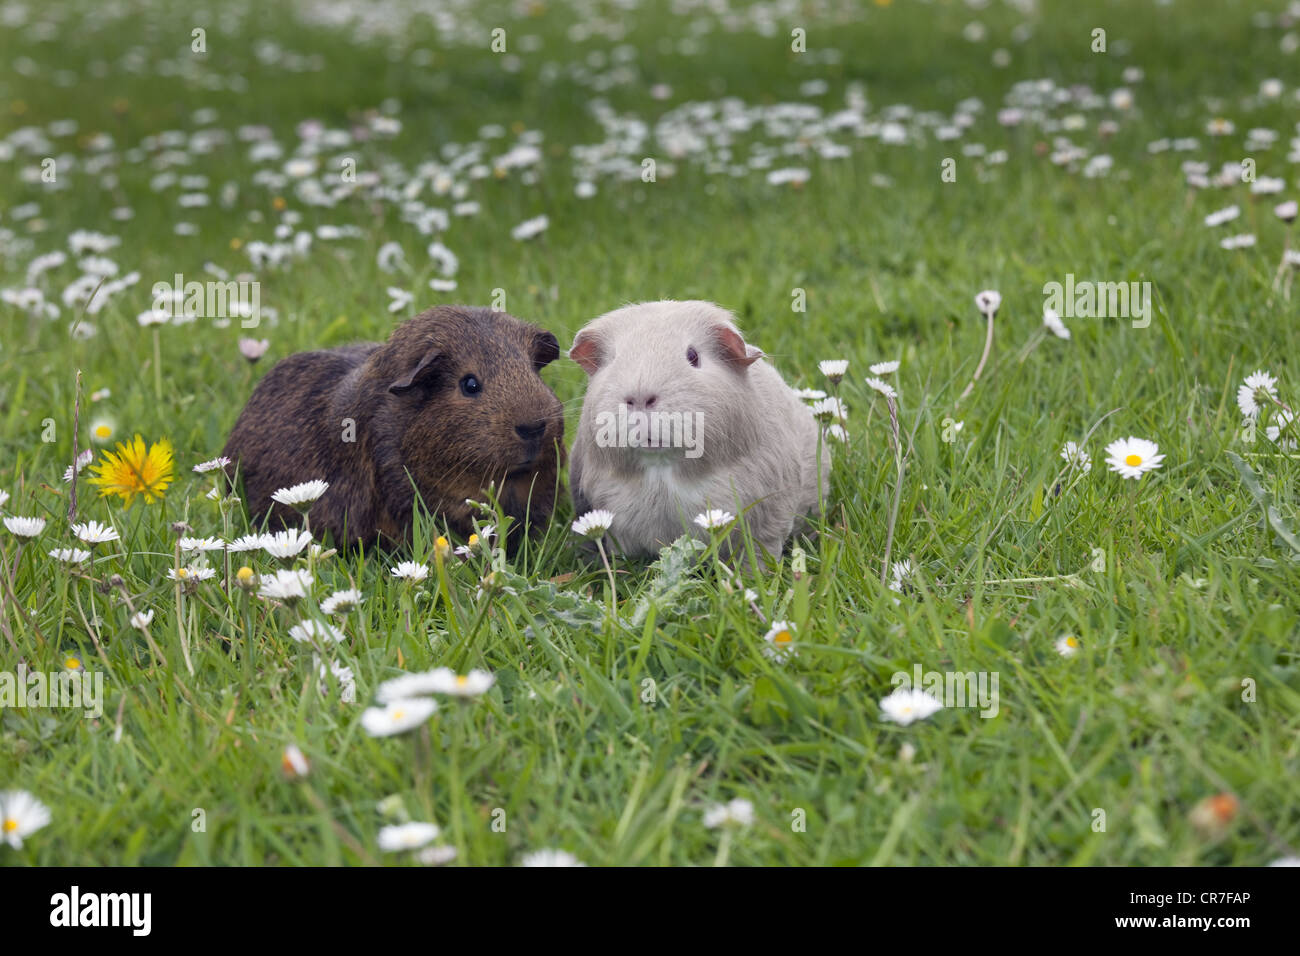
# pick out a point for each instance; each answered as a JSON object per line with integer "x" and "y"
{"x": 470, "y": 385}
{"x": 693, "y": 356}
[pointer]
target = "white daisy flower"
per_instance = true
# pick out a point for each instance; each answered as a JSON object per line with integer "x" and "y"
{"x": 1220, "y": 216}
{"x": 407, "y": 836}
{"x": 443, "y": 285}
{"x": 550, "y": 858}
{"x": 836, "y": 433}
{"x": 780, "y": 639}
{"x": 827, "y": 410}
{"x": 1286, "y": 211}
{"x": 834, "y": 369}
{"x": 285, "y": 585}
{"x": 4, "y": 497}
{"x": 311, "y": 632}
{"x": 343, "y": 676}
{"x": 902, "y": 573}
{"x": 399, "y": 299}
{"x": 1133, "y": 457}
{"x": 92, "y": 532}
{"x": 390, "y": 258}
{"x": 989, "y": 301}
{"x": 285, "y": 544}
{"x": 1259, "y": 386}
{"x": 69, "y": 555}
{"x": 1076, "y": 456}
{"x": 253, "y": 349}
{"x": 341, "y": 602}
{"x": 191, "y": 573}
{"x": 397, "y": 716}
{"x": 1067, "y": 645}
{"x": 1244, "y": 241}
{"x": 24, "y": 527}
{"x": 102, "y": 431}
{"x": 201, "y": 544}
{"x": 74, "y": 469}
{"x": 530, "y": 228}
{"x": 1052, "y": 319}
{"x": 410, "y": 571}
{"x": 21, "y": 815}
{"x": 809, "y": 394}
{"x": 204, "y": 467}
{"x": 249, "y": 542}
{"x": 906, "y": 705}
{"x": 436, "y": 855}
{"x": 885, "y": 368}
{"x": 883, "y": 387}
{"x": 448, "y": 262}
{"x": 736, "y": 813}
{"x": 299, "y": 495}
{"x": 1281, "y": 421}
{"x": 142, "y": 619}
{"x": 714, "y": 518}
{"x": 594, "y": 523}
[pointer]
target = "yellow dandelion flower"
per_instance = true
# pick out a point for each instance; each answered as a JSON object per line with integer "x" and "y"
{"x": 134, "y": 470}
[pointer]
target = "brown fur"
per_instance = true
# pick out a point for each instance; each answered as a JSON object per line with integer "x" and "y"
{"x": 413, "y": 424}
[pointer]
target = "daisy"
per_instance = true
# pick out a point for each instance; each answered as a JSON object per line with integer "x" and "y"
{"x": 780, "y": 638}
{"x": 344, "y": 677}
{"x": 285, "y": 544}
{"x": 809, "y": 394}
{"x": 902, "y": 573}
{"x": 443, "y": 285}
{"x": 21, "y": 815}
{"x": 410, "y": 571}
{"x": 530, "y": 228}
{"x": 301, "y": 496}
{"x": 594, "y": 523}
{"x": 834, "y": 369}
{"x": 1244, "y": 241}
{"x": 989, "y": 301}
{"x": 340, "y": 602}
{"x": 142, "y": 619}
{"x": 1281, "y": 421}
{"x": 883, "y": 387}
{"x": 1286, "y": 211}
{"x": 92, "y": 532}
{"x": 75, "y": 468}
{"x": 204, "y": 467}
{"x": 884, "y": 368}
{"x": 201, "y": 544}
{"x": 1133, "y": 457}
{"x": 1067, "y": 645}
{"x": 1052, "y": 319}
{"x": 407, "y": 836}
{"x": 436, "y": 855}
{"x": 25, "y": 527}
{"x": 69, "y": 555}
{"x": 397, "y": 716}
{"x": 307, "y": 632}
{"x": 1219, "y": 217}
{"x": 390, "y": 258}
{"x": 448, "y": 262}
{"x": 1259, "y": 386}
{"x": 293, "y": 762}
{"x": 828, "y": 410}
{"x": 906, "y": 705}
{"x": 714, "y": 518}
{"x": 550, "y": 858}
{"x": 737, "y": 813}
{"x": 285, "y": 585}
{"x": 249, "y": 542}
{"x": 836, "y": 433}
{"x": 1076, "y": 456}
{"x": 191, "y": 573}
{"x": 4, "y": 496}
{"x": 399, "y": 299}
{"x": 253, "y": 349}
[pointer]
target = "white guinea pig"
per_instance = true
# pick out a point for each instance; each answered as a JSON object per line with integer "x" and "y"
{"x": 682, "y": 416}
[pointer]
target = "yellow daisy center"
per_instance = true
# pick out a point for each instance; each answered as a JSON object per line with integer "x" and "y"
{"x": 782, "y": 637}
{"x": 473, "y": 540}
{"x": 244, "y": 573}
{"x": 72, "y": 663}
{"x": 182, "y": 573}
{"x": 1132, "y": 460}
{"x": 1071, "y": 642}
{"x": 398, "y": 714}
{"x": 10, "y": 825}
{"x": 461, "y": 680}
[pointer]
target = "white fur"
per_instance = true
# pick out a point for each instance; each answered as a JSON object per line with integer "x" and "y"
{"x": 759, "y": 441}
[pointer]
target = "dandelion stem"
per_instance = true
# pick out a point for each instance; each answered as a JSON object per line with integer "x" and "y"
{"x": 979, "y": 369}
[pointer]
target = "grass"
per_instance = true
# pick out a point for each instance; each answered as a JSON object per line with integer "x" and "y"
{"x": 609, "y": 734}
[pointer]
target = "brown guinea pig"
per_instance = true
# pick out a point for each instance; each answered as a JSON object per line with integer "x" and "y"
{"x": 452, "y": 401}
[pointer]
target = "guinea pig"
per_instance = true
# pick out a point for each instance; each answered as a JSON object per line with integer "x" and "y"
{"x": 452, "y": 401}
{"x": 682, "y": 416}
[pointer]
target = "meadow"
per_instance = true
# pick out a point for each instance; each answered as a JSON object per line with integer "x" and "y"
{"x": 846, "y": 178}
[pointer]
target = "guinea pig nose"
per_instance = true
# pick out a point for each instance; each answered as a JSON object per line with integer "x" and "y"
{"x": 646, "y": 402}
{"x": 531, "y": 431}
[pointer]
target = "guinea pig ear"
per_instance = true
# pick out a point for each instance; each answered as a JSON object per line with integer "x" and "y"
{"x": 419, "y": 375}
{"x": 734, "y": 349}
{"x": 586, "y": 351}
{"x": 545, "y": 350}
